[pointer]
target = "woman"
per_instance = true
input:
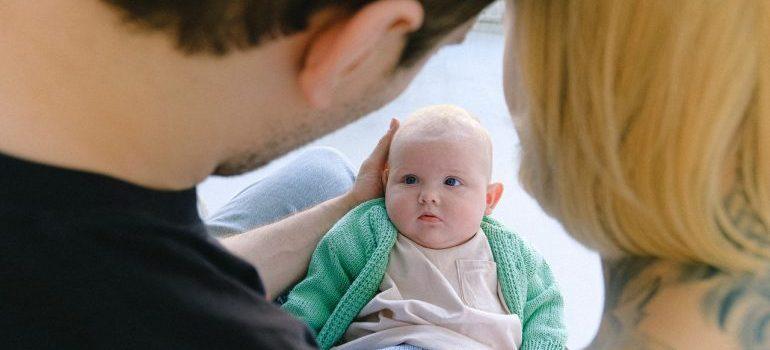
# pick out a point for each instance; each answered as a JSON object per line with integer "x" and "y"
{"x": 645, "y": 130}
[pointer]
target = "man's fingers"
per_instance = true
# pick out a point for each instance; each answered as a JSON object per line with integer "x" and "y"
{"x": 369, "y": 180}
{"x": 393, "y": 124}
{"x": 380, "y": 153}
{"x": 384, "y": 143}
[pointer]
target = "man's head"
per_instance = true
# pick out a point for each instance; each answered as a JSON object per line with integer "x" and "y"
{"x": 217, "y": 26}
{"x": 345, "y": 71}
{"x": 437, "y": 186}
{"x": 106, "y": 87}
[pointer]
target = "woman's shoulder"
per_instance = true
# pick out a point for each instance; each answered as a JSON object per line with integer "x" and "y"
{"x": 654, "y": 304}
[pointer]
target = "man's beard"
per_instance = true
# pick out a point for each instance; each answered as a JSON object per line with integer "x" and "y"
{"x": 314, "y": 126}
{"x": 241, "y": 164}
{"x": 320, "y": 123}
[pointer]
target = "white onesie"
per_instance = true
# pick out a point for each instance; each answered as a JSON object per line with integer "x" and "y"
{"x": 437, "y": 298}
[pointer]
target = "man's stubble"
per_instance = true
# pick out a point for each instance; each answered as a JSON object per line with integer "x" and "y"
{"x": 313, "y": 125}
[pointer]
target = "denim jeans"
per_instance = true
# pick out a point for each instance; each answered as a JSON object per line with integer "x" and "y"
{"x": 402, "y": 347}
{"x": 314, "y": 176}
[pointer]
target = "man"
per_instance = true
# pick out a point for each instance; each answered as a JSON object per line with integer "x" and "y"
{"x": 112, "y": 111}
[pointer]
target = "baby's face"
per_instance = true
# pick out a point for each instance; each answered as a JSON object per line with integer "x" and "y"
{"x": 436, "y": 190}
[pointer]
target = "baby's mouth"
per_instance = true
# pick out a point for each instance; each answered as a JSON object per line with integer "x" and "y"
{"x": 429, "y": 218}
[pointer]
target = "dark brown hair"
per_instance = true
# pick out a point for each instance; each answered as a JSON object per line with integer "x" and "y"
{"x": 216, "y": 26}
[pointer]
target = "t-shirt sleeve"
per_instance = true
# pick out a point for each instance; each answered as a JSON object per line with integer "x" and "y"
{"x": 180, "y": 293}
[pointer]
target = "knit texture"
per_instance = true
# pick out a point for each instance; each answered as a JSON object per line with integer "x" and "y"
{"x": 349, "y": 263}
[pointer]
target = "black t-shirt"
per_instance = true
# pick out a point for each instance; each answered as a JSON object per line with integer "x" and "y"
{"x": 88, "y": 261}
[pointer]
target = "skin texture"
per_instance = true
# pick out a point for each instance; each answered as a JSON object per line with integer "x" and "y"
{"x": 437, "y": 185}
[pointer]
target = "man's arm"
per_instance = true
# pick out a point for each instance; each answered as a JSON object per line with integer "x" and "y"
{"x": 281, "y": 250}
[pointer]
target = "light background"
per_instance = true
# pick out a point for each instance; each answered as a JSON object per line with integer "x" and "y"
{"x": 470, "y": 75}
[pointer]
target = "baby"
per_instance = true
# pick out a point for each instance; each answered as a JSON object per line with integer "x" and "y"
{"x": 425, "y": 267}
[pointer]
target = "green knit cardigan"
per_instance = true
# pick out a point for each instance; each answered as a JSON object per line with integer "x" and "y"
{"x": 350, "y": 261}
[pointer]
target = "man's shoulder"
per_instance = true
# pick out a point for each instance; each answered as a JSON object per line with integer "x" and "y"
{"x": 87, "y": 283}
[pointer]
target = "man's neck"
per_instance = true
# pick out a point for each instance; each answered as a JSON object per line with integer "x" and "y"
{"x": 85, "y": 91}
{"x": 82, "y": 134}
{"x": 79, "y": 150}
{"x": 69, "y": 97}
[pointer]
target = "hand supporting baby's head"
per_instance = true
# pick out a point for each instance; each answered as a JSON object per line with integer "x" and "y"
{"x": 437, "y": 186}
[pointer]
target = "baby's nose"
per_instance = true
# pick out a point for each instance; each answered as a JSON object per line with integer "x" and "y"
{"x": 428, "y": 197}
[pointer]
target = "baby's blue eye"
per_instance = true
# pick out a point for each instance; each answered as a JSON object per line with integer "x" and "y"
{"x": 410, "y": 179}
{"x": 450, "y": 181}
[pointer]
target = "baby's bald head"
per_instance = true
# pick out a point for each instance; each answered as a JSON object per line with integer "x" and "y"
{"x": 437, "y": 185}
{"x": 448, "y": 123}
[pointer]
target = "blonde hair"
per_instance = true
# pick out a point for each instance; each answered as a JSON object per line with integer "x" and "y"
{"x": 640, "y": 116}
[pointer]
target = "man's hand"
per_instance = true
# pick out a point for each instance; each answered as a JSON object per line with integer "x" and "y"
{"x": 281, "y": 251}
{"x": 368, "y": 183}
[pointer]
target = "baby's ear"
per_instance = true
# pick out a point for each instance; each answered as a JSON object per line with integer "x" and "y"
{"x": 494, "y": 193}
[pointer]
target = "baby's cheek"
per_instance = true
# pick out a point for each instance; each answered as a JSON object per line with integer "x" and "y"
{"x": 396, "y": 209}
{"x": 470, "y": 215}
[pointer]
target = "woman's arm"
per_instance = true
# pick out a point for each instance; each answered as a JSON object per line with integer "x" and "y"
{"x": 281, "y": 251}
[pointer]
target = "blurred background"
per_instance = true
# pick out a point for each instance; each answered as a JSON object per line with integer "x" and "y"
{"x": 470, "y": 76}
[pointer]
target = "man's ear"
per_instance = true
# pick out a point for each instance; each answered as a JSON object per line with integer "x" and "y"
{"x": 494, "y": 193}
{"x": 338, "y": 48}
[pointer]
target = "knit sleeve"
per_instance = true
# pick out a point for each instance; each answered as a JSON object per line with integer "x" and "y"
{"x": 314, "y": 298}
{"x": 543, "y": 314}
{"x": 334, "y": 265}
